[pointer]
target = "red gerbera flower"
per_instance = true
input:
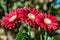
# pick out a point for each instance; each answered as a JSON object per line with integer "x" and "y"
{"x": 10, "y": 19}
{"x": 47, "y": 21}
{"x": 29, "y": 15}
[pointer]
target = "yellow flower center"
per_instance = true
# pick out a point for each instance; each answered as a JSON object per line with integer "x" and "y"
{"x": 31, "y": 16}
{"x": 47, "y": 21}
{"x": 12, "y": 18}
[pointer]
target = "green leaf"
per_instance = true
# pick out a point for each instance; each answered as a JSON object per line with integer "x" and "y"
{"x": 20, "y": 35}
{"x": 56, "y": 37}
{"x": 23, "y": 36}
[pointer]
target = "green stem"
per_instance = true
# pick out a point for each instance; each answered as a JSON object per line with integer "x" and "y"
{"x": 45, "y": 37}
{"x": 41, "y": 37}
{"x": 29, "y": 32}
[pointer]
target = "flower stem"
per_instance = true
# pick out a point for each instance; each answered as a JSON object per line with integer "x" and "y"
{"x": 29, "y": 32}
{"x": 45, "y": 37}
{"x": 41, "y": 37}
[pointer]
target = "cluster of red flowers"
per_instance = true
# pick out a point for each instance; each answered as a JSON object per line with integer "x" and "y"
{"x": 32, "y": 17}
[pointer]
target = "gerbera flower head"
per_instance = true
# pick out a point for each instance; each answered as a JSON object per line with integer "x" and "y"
{"x": 10, "y": 19}
{"x": 47, "y": 21}
{"x": 28, "y": 15}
